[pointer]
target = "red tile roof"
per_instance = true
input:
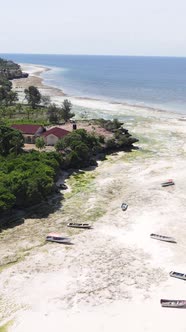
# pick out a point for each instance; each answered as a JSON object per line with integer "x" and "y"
{"x": 26, "y": 128}
{"x": 58, "y": 132}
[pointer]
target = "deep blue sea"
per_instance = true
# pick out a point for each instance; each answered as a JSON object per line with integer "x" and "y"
{"x": 158, "y": 82}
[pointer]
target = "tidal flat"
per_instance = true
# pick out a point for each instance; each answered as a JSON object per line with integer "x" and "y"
{"x": 115, "y": 267}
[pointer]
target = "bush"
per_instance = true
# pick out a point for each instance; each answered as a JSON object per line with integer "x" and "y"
{"x": 27, "y": 179}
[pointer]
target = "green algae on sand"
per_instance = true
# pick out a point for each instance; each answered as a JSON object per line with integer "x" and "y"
{"x": 5, "y": 327}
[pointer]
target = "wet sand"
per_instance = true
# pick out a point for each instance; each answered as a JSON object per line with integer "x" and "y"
{"x": 35, "y": 79}
{"x": 114, "y": 275}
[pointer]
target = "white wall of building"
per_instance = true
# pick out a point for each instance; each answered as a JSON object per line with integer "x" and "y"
{"x": 51, "y": 139}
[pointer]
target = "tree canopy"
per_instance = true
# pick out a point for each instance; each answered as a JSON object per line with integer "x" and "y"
{"x": 27, "y": 179}
{"x": 65, "y": 111}
{"x": 79, "y": 146}
{"x": 11, "y": 140}
{"x": 40, "y": 143}
{"x": 53, "y": 113}
{"x": 32, "y": 96}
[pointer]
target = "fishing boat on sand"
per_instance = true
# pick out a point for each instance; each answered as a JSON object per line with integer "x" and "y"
{"x": 76, "y": 225}
{"x": 55, "y": 237}
{"x": 173, "y": 303}
{"x": 62, "y": 186}
{"x": 178, "y": 275}
{"x": 124, "y": 206}
{"x": 162, "y": 238}
{"x": 169, "y": 182}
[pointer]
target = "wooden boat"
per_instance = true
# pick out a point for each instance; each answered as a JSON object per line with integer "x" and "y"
{"x": 62, "y": 186}
{"x": 169, "y": 182}
{"x": 173, "y": 303}
{"x": 124, "y": 206}
{"x": 162, "y": 238}
{"x": 76, "y": 225}
{"x": 178, "y": 275}
{"x": 55, "y": 237}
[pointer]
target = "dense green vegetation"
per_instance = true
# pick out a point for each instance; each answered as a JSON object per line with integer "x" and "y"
{"x": 27, "y": 179}
{"x": 7, "y": 96}
{"x": 40, "y": 143}
{"x": 121, "y": 139}
{"x": 79, "y": 148}
{"x": 37, "y": 110}
{"x": 56, "y": 113}
{"x": 11, "y": 141}
{"x": 33, "y": 96}
{"x": 10, "y": 70}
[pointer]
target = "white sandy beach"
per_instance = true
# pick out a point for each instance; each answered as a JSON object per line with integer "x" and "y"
{"x": 114, "y": 275}
{"x": 35, "y": 79}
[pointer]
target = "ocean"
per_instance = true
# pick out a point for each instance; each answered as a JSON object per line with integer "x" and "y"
{"x": 157, "y": 82}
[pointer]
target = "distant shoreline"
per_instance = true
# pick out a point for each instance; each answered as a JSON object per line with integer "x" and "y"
{"x": 35, "y": 78}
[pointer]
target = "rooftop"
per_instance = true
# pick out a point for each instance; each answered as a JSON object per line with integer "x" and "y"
{"x": 27, "y": 128}
{"x": 58, "y": 132}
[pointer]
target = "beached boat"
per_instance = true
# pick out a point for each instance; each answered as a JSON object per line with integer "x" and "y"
{"x": 178, "y": 275}
{"x": 55, "y": 237}
{"x": 76, "y": 225}
{"x": 169, "y": 182}
{"x": 162, "y": 238}
{"x": 62, "y": 186}
{"x": 124, "y": 206}
{"x": 173, "y": 303}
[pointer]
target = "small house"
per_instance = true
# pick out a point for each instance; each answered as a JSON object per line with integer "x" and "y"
{"x": 51, "y": 136}
{"x": 29, "y": 131}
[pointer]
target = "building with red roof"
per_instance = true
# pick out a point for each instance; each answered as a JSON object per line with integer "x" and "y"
{"x": 51, "y": 136}
{"x": 30, "y": 132}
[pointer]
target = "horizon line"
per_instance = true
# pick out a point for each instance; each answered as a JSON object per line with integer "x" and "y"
{"x": 104, "y": 55}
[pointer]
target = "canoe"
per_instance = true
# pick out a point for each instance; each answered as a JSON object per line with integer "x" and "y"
{"x": 76, "y": 225}
{"x": 173, "y": 303}
{"x": 55, "y": 237}
{"x": 162, "y": 238}
{"x": 62, "y": 186}
{"x": 169, "y": 182}
{"x": 178, "y": 275}
{"x": 124, "y": 206}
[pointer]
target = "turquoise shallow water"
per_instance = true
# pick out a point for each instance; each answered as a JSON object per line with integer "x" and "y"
{"x": 158, "y": 82}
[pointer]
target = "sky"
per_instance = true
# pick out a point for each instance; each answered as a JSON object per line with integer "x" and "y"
{"x": 109, "y": 27}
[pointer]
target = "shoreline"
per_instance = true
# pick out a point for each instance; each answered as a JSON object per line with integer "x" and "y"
{"x": 35, "y": 78}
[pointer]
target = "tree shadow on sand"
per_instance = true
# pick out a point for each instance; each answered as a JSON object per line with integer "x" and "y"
{"x": 16, "y": 217}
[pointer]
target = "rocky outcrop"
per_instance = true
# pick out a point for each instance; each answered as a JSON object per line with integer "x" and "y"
{"x": 10, "y": 70}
